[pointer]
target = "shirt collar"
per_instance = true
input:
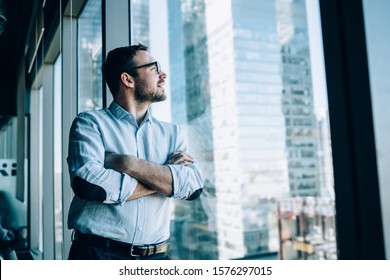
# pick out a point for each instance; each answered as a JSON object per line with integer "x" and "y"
{"x": 120, "y": 113}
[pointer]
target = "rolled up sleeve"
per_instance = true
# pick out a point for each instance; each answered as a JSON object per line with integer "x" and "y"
{"x": 187, "y": 181}
{"x": 89, "y": 179}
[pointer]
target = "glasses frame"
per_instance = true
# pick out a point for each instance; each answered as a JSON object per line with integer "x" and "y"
{"x": 158, "y": 66}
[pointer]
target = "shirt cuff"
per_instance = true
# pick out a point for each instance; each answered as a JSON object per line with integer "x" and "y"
{"x": 182, "y": 180}
{"x": 128, "y": 185}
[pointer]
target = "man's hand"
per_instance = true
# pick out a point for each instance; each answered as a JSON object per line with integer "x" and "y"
{"x": 180, "y": 157}
{"x": 140, "y": 191}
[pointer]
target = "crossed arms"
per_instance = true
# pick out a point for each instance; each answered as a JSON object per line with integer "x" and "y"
{"x": 115, "y": 178}
{"x": 151, "y": 177}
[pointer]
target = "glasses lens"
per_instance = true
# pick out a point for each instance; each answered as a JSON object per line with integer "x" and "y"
{"x": 158, "y": 67}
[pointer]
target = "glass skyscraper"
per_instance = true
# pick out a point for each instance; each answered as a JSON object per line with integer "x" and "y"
{"x": 298, "y": 105}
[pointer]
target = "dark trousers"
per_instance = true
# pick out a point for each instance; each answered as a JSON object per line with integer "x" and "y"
{"x": 84, "y": 250}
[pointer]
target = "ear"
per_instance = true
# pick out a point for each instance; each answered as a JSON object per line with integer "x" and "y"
{"x": 127, "y": 80}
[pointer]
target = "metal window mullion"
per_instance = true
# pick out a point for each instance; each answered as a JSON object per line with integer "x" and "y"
{"x": 358, "y": 214}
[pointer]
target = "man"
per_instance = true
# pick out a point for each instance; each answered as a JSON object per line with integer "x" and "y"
{"x": 125, "y": 166}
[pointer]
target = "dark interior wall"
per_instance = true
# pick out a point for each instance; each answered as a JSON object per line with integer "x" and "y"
{"x": 12, "y": 48}
{"x": 7, "y": 95}
{"x": 20, "y": 35}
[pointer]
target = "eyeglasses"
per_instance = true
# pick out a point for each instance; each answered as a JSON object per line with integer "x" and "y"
{"x": 158, "y": 66}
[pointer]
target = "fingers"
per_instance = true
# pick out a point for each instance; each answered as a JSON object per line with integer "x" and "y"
{"x": 180, "y": 157}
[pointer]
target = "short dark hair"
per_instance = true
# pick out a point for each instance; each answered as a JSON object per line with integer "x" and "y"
{"x": 119, "y": 60}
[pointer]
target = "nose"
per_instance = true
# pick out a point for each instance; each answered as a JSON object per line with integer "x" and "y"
{"x": 163, "y": 75}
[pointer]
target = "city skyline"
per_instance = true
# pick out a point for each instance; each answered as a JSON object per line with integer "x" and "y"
{"x": 214, "y": 93}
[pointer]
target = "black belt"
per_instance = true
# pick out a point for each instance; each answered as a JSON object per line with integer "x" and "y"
{"x": 118, "y": 246}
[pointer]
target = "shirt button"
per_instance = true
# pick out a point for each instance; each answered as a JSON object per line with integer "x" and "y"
{"x": 139, "y": 228}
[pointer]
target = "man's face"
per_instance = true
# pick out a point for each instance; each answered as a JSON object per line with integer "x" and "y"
{"x": 149, "y": 84}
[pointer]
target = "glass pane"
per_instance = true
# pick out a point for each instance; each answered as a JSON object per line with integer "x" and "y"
{"x": 140, "y": 21}
{"x": 58, "y": 158}
{"x": 377, "y": 24}
{"x": 247, "y": 85}
{"x": 90, "y": 88}
{"x": 36, "y": 172}
{"x": 13, "y": 209}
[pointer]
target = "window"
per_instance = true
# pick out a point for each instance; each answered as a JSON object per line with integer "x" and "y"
{"x": 235, "y": 81}
{"x": 58, "y": 225}
{"x": 90, "y": 85}
{"x": 36, "y": 171}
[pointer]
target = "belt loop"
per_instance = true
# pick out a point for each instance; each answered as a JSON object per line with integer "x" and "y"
{"x": 73, "y": 236}
{"x": 154, "y": 249}
{"x": 147, "y": 250}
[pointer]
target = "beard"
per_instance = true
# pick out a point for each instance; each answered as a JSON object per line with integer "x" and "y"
{"x": 143, "y": 93}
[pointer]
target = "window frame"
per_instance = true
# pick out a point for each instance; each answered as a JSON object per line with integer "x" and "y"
{"x": 359, "y": 216}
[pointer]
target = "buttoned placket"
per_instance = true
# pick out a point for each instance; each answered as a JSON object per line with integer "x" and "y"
{"x": 140, "y": 146}
{"x": 140, "y": 201}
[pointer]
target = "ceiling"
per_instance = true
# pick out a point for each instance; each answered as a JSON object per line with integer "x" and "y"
{"x": 12, "y": 44}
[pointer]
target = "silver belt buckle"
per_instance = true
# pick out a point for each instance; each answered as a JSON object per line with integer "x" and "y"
{"x": 131, "y": 251}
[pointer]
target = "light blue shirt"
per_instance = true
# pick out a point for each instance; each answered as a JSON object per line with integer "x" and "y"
{"x": 141, "y": 221}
